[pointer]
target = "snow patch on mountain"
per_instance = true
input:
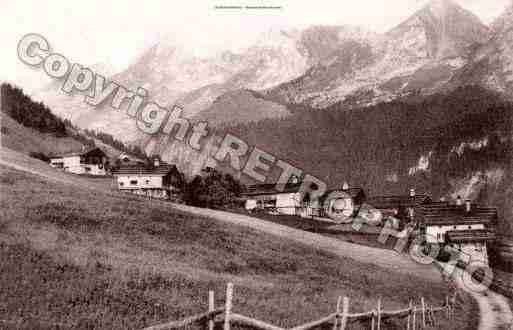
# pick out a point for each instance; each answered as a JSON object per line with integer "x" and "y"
{"x": 474, "y": 145}
{"x": 470, "y": 186}
{"x": 422, "y": 164}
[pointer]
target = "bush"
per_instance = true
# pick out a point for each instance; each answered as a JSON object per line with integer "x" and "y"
{"x": 212, "y": 189}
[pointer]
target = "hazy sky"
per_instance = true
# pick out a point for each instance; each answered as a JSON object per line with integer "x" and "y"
{"x": 115, "y": 32}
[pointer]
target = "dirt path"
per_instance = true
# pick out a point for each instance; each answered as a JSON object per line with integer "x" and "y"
{"x": 494, "y": 309}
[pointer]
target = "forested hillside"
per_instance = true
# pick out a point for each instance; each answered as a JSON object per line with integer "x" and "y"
{"x": 32, "y": 114}
{"x": 31, "y": 127}
{"x": 444, "y": 144}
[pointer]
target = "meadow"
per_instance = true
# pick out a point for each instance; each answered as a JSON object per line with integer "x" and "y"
{"x": 73, "y": 257}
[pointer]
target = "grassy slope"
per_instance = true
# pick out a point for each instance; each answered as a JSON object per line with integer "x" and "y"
{"x": 77, "y": 258}
{"x": 26, "y": 140}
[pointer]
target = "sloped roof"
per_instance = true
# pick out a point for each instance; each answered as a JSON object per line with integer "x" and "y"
{"x": 135, "y": 170}
{"x": 470, "y": 236}
{"x": 271, "y": 189}
{"x": 80, "y": 153}
{"x": 397, "y": 201}
{"x": 442, "y": 213}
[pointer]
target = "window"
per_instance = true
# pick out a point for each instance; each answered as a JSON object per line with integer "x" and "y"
{"x": 121, "y": 184}
{"x": 147, "y": 181}
{"x": 133, "y": 182}
{"x": 87, "y": 169}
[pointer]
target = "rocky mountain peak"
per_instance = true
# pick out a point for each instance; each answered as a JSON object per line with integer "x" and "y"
{"x": 504, "y": 22}
{"x": 439, "y": 8}
{"x": 448, "y": 29}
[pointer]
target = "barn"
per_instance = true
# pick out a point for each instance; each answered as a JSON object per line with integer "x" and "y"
{"x": 399, "y": 210}
{"x": 465, "y": 227}
{"x": 292, "y": 201}
{"x": 90, "y": 162}
{"x": 269, "y": 198}
{"x": 159, "y": 180}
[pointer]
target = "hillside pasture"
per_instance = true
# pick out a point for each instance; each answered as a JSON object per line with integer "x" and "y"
{"x": 83, "y": 258}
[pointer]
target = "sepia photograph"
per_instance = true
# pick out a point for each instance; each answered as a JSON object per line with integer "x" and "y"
{"x": 256, "y": 164}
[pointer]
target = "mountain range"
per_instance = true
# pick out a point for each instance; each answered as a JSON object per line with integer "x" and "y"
{"x": 438, "y": 49}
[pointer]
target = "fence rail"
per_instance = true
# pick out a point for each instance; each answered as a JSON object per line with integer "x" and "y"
{"x": 339, "y": 319}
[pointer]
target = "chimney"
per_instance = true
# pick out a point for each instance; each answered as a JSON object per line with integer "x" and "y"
{"x": 468, "y": 205}
{"x": 412, "y": 192}
{"x": 156, "y": 162}
{"x": 345, "y": 186}
{"x": 458, "y": 201}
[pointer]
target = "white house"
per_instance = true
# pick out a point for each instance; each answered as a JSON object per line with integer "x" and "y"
{"x": 268, "y": 197}
{"x": 292, "y": 201}
{"x": 86, "y": 162}
{"x": 466, "y": 227}
{"x": 159, "y": 180}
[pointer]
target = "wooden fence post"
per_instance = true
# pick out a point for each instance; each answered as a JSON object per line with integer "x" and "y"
{"x": 228, "y": 307}
{"x": 414, "y": 321}
{"x": 335, "y": 324}
{"x": 422, "y": 302}
{"x": 433, "y": 316}
{"x": 379, "y": 313}
{"x": 447, "y": 312}
{"x": 408, "y": 320}
{"x": 211, "y": 308}
{"x": 345, "y": 313}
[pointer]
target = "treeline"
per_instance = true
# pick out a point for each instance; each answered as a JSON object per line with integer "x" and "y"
{"x": 375, "y": 147}
{"x": 37, "y": 115}
{"x": 365, "y": 145}
{"x": 29, "y": 113}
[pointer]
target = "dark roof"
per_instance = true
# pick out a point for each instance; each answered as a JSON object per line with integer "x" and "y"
{"x": 397, "y": 201}
{"x": 81, "y": 153}
{"x": 469, "y": 236}
{"x": 135, "y": 170}
{"x": 442, "y": 213}
{"x": 270, "y": 189}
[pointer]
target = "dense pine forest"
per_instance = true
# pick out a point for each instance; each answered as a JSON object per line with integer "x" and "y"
{"x": 30, "y": 113}
{"x": 38, "y": 116}
{"x": 378, "y": 147}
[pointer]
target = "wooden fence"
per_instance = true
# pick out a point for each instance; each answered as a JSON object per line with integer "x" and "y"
{"x": 415, "y": 317}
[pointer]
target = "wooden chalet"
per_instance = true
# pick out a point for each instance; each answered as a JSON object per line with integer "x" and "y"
{"x": 466, "y": 227}
{"x": 291, "y": 200}
{"x": 270, "y": 198}
{"x": 399, "y": 208}
{"x": 160, "y": 180}
{"x": 90, "y": 162}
